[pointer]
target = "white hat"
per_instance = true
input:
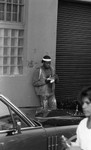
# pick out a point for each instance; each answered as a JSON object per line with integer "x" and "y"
{"x": 46, "y": 58}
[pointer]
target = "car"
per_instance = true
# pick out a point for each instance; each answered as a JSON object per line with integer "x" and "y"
{"x": 18, "y": 132}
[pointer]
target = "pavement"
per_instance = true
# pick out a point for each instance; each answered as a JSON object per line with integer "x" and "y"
{"x": 34, "y": 112}
{"x": 31, "y": 112}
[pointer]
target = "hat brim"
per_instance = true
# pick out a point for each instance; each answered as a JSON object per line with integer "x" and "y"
{"x": 47, "y": 60}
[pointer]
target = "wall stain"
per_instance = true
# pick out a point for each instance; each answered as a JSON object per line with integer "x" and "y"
{"x": 31, "y": 63}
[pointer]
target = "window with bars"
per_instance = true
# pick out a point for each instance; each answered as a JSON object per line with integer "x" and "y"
{"x": 11, "y": 10}
{"x": 11, "y": 37}
{"x": 11, "y": 51}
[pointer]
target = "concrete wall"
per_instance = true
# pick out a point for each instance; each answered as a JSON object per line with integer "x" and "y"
{"x": 40, "y": 39}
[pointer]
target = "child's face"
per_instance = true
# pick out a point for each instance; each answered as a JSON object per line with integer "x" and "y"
{"x": 86, "y": 106}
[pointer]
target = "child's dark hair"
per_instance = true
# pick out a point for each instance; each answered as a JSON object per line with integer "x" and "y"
{"x": 86, "y": 92}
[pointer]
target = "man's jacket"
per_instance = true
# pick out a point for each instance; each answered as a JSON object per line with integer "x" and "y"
{"x": 40, "y": 86}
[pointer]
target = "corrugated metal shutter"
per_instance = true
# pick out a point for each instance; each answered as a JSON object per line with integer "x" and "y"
{"x": 73, "y": 54}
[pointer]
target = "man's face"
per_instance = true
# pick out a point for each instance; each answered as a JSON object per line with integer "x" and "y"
{"x": 47, "y": 64}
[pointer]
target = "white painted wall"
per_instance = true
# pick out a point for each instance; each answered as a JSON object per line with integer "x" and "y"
{"x": 40, "y": 39}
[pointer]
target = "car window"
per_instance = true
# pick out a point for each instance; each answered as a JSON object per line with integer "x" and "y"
{"x": 17, "y": 119}
{"x": 5, "y": 117}
{"x": 9, "y": 118}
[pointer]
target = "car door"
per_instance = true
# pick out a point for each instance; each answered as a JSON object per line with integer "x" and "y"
{"x": 54, "y": 135}
{"x": 33, "y": 139}
{"x": 13, "y": 137}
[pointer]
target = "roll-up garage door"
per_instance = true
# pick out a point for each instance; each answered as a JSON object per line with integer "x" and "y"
{"x": 73, "y": 51}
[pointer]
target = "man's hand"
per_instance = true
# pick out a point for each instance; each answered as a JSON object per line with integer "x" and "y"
{"x": 47, "y": 80}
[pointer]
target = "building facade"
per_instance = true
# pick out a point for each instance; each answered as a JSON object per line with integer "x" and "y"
{"x": 29, "y": 29}
{"x": 27, "y": 33}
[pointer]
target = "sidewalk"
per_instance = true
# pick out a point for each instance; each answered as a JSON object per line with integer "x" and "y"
{"x": 29, "y": 111}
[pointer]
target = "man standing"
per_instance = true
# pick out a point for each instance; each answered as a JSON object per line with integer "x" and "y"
{"x": 44, "y": 79}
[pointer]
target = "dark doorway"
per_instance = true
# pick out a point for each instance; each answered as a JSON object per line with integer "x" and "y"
{"x": 73, "y": 51}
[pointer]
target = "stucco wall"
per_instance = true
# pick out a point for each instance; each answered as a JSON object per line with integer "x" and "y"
{"x": 40, "y": 39}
